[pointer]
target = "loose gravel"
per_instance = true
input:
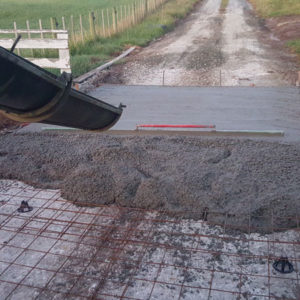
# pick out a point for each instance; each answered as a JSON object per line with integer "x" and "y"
{"x": 174, "y": 174}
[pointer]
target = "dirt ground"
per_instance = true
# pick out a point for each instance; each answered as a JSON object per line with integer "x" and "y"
{"x": 285, "y": 28}
{"x": 6, "y": 123}
{"x": 213, "y": 48}
{"x": 185, "y": 174}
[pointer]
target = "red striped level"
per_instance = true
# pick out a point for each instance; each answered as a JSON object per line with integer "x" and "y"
{"x": 174, "y": 126}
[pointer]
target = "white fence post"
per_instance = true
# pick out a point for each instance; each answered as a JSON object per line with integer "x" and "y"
{"x": 16, "y": 35}
{"x": 64, "y": 54}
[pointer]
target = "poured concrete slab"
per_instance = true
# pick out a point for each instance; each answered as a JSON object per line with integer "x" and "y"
{"x": 229, "y": 108}
{"x": 233, "y": 108}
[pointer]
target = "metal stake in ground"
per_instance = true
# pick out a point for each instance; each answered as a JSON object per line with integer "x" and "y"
{"x": 283, "y": 265}
{"x": 24, "y": 207}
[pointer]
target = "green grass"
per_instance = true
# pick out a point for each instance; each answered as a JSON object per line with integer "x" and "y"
{"x": 295, "y": 46}
{"x": 33, "y": 10}
{"x": 280, "y": 8}
{"x": 276, "y": 8}
{"x": 224, "y": 4}
{"x": 94, "y": 53}
{"x": 91, "y": 54}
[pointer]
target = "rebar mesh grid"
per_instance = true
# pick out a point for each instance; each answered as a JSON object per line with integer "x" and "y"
{"x": 63, "y": 251}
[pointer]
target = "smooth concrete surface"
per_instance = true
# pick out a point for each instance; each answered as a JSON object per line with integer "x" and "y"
{"x": 229, "y": 108}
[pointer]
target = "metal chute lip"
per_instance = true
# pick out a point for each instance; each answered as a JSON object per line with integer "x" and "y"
{"x": 95, "y": 101}
{"x": 96, "y": 130}
{"x": 53, "y": 79}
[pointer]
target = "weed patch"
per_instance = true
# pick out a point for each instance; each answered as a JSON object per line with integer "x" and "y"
{"x": 223, "y": 5}
{"x": 276, "y": 8}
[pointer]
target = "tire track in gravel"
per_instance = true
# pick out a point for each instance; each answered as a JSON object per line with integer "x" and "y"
{"x": 179, "y": 54}
{"x": 211, "y": 49}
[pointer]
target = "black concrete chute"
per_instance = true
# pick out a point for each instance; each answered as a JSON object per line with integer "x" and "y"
{"x": 29, "y": 93}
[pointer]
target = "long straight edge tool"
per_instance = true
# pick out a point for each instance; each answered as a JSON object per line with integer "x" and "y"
{"x": 173, "y": 126}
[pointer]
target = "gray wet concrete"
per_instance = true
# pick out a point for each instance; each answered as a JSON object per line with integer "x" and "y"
{"x": 241, "y": 108}
{"x": 229, "y": 108}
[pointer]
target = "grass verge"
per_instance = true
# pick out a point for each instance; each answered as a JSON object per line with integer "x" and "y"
{"x": 294, "y": 45}
{"x": 94, "y": 53}
{"x": 280, "y": 8}
{"x": 33, "y": 10}
{"x": 276, "y": 8}
{"x": 223, "y": 5}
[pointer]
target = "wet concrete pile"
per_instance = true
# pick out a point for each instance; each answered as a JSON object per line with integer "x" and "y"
{"x": 172, "y": 173}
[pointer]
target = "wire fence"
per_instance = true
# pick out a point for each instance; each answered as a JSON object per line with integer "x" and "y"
{"x": 98, "y": 23}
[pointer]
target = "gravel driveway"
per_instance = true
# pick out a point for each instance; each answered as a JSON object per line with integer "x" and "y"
{"x": 213, "y": 48}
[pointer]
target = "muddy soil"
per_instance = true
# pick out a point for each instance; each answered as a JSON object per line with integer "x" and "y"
{"x": 212, "y": 48}
{"x": 285, "y": 28}
{"x": 174, "y": 174}
{"x": 6, "y": 123}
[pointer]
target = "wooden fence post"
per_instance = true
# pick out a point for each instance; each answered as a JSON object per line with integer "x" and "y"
{"x": 108, "y": 23}
{"x": 146, "y": 7}
{"x": 139, "y": 10}
{"x": 52, "y": 26}
{"x": 142, "y": 9}
{"x": 103, "y": 24}
{"x": 42, "y": 35}
{"x": 72, "y": 28}
{"x": 16, "y": 35}
{"x": 129, "y": 15}
{"x": 133, "y": 13}
{"x": 116, "y": 19}
{"x": 64, "y": 53}
{"x": 96, "y": 22}
{"x": 113, "y": 21}
{"x": 121, "y": 18}
{"x": 126, "y": 16}
{"x": 63, "y": 23}
{"x": 92, "y": 24}
{"x": 81, "y": 28}
{"x": 29, "y": 34}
